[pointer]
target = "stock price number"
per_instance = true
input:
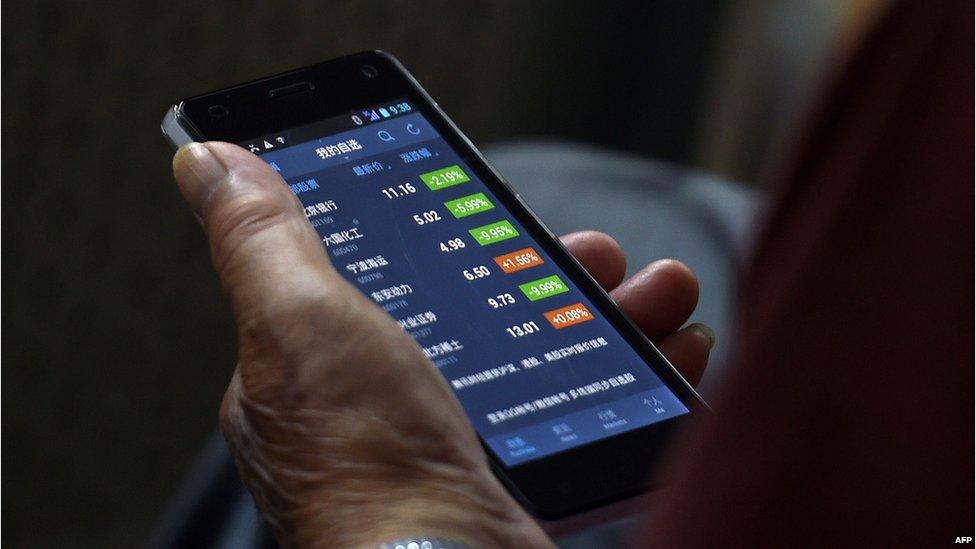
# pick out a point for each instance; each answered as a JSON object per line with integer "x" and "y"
{"x": 399, "y": 191}
{"x": 501, "y": 300}
{"x": 522, "y": 330}
{"x": 474, "y": 273}
{"x": 427, "y": 217}
{"x": 451, "y": 245}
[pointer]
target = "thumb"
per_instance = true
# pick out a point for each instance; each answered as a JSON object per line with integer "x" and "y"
{"x": 267, "y": 256}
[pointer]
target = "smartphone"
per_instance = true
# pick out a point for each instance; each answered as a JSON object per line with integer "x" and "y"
{"x": 572, "y": 403}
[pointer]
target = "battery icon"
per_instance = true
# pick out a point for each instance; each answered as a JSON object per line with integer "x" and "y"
{"x": 384, "y": 112}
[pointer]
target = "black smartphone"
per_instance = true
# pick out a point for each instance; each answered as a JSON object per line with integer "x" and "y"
{"x": 572, "y": 403}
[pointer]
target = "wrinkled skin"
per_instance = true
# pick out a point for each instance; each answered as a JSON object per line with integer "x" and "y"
{"x": 343, "y": 431}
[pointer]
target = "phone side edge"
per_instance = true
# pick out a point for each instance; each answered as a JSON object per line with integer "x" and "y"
{"x": 174, "y": 132}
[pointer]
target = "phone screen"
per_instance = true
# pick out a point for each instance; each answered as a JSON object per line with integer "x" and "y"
{"x": 408, "y": 222}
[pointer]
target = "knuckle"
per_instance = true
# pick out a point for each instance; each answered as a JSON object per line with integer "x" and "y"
{"x": 309, "y": 311}
{"x": 283, "y": 337}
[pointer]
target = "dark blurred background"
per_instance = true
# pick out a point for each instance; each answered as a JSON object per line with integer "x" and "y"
{"x": 117, "y": 343}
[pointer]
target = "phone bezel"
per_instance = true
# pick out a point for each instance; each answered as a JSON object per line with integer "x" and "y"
{"x": 552, "y": 487}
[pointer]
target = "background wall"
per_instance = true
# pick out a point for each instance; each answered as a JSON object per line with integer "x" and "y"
{"x": 117, "y": 343}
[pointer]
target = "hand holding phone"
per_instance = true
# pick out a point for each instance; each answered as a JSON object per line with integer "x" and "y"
{"x": 327, "y": 387}
{"x": 331, "y": 401}
{"x": 334, "y": 400}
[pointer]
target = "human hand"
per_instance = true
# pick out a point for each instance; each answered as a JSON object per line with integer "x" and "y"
{"x": 344, "y": 432}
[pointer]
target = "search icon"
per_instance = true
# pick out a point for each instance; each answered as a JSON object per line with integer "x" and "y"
{"x": 385, "y": 136}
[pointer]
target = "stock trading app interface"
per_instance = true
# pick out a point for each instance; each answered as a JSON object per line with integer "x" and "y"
{"x": 407, "y": 221}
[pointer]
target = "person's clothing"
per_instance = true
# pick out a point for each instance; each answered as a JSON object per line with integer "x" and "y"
{"x": 847, "y": 414}
{"x": 653, "y": 209}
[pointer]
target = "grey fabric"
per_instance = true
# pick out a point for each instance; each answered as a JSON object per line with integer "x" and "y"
{"x": 654, "y": 210}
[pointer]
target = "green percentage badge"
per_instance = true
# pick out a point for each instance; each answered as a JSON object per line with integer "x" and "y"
{"x": 444, "y": 178}
{"x": 469, "y": 205}
{"x": 544, "y": 287}
{"x": 493, "y": 232}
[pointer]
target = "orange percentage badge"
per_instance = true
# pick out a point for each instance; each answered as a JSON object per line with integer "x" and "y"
{"x": 519, "y": 260}
{"x": 570, "y": 315}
